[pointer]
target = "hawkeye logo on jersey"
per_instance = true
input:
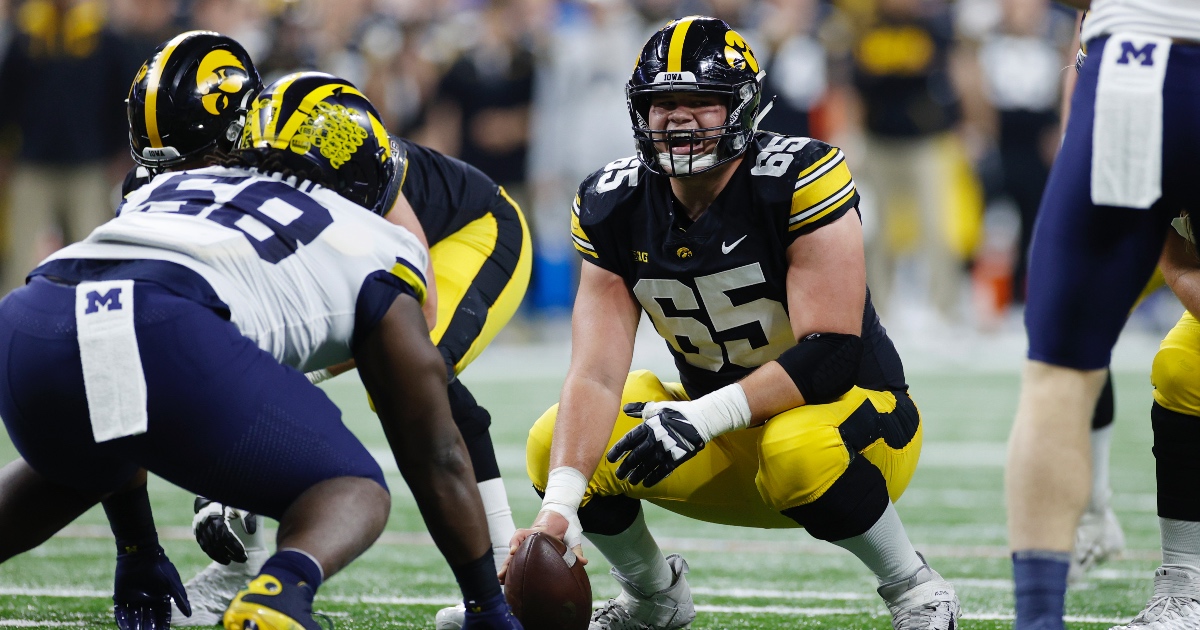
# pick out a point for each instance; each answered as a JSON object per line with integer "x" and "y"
{"x": 111, "y": 301}
{"x": 683, "y": 252}
{"x": 642, "y": 257}
{"x": 221, "y": 71}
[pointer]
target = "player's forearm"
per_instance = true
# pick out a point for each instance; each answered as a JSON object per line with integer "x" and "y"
{"x": 406, "y": 377}
{"x": 770, "y": 392}
{"x": 586, "y": 417}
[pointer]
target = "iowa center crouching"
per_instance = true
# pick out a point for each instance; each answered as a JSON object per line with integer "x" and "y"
{"x": 745, "y": 249}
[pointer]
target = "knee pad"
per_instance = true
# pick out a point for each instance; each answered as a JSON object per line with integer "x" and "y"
{"x": 1103, "y": 416}
{"x": 849, "y": 507}
{"x": 471, "y": 418}
{"x": 473, "y": 422}
{"x": 1176, "y": 441}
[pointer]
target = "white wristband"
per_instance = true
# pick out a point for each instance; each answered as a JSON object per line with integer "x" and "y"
{"x": 564, "y": 492}
{"x": 722, "y": 411}
{"x": 319, "y": 376}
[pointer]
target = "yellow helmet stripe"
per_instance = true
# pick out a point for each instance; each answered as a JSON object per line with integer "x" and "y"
{"x": 297, "y": 118}
{"x": 675, "y": 51}
{"x": 381, "y": 136}
{"x": 156, "y": 72}
{"x": 276, "y": 103}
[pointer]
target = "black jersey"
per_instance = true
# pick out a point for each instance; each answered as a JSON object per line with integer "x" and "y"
{"x": 716, "y": 289}
{"x": 445, "y": 193}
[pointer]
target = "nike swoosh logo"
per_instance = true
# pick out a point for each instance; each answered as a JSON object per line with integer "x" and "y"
{"x": 725, "y": 249}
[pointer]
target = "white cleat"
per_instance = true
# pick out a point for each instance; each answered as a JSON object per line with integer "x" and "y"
{"x": 924, "y": 601}
{"x": 451, "y": 618}
{"x": 668, "y": 609}
{"x": 1175, "y": 604}
{"x": 214, "y": 587}
{"x": 1098, "y": 538}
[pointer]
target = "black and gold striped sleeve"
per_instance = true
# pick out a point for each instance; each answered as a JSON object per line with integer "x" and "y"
{"x": 578, "y": 236}
{"x": 824, "y": 191}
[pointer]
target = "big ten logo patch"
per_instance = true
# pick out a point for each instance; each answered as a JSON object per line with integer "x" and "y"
{"x": 110, "y": 301}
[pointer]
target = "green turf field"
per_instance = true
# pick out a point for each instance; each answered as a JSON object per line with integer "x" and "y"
{"x": 741, "y": 578}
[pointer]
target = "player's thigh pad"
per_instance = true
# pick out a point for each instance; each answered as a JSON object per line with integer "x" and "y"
{"x": 225, "y": 419}
{"x": 1089, "y": 263}
{"x": 1176, "y": 372}
{"x": 42, "y": 397}
{"x": 805, "y": 451}
{"x": 482, "y": 272}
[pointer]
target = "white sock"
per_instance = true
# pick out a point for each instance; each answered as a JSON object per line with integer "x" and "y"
{"x": 499, "y": 518}
{"x": 1101, "y": 488}
{"x": 1180, "y": 543}
{"x": 635, "y": 555}
{"x": 885, "y": 548}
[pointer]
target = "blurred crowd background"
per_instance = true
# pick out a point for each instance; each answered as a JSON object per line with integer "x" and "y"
{"x": 948, "y": 113}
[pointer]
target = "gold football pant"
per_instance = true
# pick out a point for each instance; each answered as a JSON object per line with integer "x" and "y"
{"x": 830, "y": 468}
{"x": 482, "y": 272}
{"x": 1175, "y": 416}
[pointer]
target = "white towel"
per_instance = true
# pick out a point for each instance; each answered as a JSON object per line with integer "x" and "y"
{"x": 1128, "y": 128}
{"x": 108, "y": 349}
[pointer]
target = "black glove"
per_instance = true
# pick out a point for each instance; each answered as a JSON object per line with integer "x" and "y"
{"x": 144, "y": 585}
{"x": 213, "y": 527}
{"x": 656, "y": 447}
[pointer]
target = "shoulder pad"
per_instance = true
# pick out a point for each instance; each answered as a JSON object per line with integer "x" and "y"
{"x": 810, "y": 175}
{"x": 599, "y": 195}
{"x": 609, "y": 187}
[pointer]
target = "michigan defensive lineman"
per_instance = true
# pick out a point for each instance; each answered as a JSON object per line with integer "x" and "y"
{"x": 1125, "y": 170}
{"x": 174, "y": 339}
{"x": 745, "y": 249}
{"x": 480, "y": 259}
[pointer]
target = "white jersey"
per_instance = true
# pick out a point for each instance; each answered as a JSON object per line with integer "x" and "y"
{"x": 288, "y": 261}
{"x": 1179, "y": 19}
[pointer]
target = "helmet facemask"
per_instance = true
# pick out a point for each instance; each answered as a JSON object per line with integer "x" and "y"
{"x": 727, "y": 141}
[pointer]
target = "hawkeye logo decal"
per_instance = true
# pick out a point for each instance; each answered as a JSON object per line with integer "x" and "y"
{"x": 220, "y": 74}
{"x": 683, "y": 252}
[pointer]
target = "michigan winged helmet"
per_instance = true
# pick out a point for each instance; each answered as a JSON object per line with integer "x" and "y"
{"x": 321, "y": 126}
{"x": 189, "y": 99}
{"x": 700, "y": 55}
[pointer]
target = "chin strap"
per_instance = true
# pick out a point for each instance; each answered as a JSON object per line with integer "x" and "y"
{"x": 763, "y": 112}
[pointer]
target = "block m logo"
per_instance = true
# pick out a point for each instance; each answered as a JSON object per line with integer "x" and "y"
{"x": 111, "y": 301}
{"x": 1129, "y": 52}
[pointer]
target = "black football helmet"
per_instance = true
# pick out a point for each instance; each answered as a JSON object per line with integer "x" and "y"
{"x": 314, "y": 120}
{"x": 701, "y": 55}
{"x": 189, "y": 98}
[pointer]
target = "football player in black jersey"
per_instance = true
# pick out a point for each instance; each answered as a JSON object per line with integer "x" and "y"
{"x": 186, "y": 108}
{"x": 745, "y": 249}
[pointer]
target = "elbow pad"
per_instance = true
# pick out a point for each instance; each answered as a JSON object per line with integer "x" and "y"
{"x": 823, "y": 366}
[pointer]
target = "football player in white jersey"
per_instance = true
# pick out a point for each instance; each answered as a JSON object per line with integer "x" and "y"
{"x": 174, "y": 339}
{"x": 1124, "y": 172}
{"x": 193, "y": 94}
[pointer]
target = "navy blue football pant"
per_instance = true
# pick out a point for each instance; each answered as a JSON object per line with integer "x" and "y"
{"x": 226, "y": 420}
{"x": 1089, "y": 263}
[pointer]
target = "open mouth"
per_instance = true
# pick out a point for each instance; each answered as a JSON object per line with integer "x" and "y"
{"x": 686, "y": 143}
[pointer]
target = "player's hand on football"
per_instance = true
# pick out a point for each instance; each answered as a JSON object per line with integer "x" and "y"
{"x": 214, "y": 525}
{"x": 553, "y": 524}
{"x": 144, "y": 585}
{"x": 661, "y": 443}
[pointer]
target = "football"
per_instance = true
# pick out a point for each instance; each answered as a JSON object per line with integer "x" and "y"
{"x": 547, "y": 586}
